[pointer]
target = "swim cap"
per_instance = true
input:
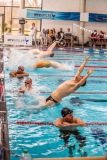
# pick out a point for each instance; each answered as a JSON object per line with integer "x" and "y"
{"x": 66, "y": 111}
{"x": 52, "y": 55}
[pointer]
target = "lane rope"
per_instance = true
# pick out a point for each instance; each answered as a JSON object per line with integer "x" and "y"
{"x": 52, "y": 123}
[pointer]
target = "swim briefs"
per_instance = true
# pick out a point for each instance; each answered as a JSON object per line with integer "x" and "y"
{"x": 51, "y": 99}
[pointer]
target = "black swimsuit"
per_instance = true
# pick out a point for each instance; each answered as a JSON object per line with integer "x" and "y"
{"x": 51, "y": 99}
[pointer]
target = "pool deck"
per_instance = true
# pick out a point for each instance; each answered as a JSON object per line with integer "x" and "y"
{"x": 83, "y": 158}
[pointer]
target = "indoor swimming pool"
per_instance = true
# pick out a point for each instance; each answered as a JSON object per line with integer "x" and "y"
{"x": 88, "y": 103}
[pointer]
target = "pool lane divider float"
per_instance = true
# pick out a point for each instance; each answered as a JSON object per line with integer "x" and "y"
{"x": 51, "y": 123}
{"x": 83, "y": 50}
{"x": 95, "y": 51}
{"x": 76, "y": 59}
{"x": 92, "y": 51}
{"x": 93, "y": 66}
{"x": 47, "y": 75}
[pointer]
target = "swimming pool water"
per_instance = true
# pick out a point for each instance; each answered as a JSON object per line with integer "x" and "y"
{"x": 88, "y": 103}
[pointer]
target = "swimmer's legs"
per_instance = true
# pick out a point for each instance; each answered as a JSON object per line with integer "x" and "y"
{"x": 49, "y": 103}
{"x": 56, "y": 65}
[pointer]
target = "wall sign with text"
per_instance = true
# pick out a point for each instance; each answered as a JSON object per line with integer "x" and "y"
{"x": 18, "y": 40}
{"x": 40, "y": 14}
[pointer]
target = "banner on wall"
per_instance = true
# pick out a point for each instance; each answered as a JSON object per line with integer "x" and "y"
{"x": 18, "y": 40}
{"x": 93, "y": 17}
{"x": 51, "y": 15}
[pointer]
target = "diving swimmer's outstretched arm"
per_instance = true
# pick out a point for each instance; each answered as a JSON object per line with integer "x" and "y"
{"x": 83, "y": 80}
{"x": 81, "y": 68}
{"x": 52, "y": 46}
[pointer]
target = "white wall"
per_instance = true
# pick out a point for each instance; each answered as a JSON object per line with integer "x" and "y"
{"x": 92, "y": 6}
{"x": 96, "y": 6}
{"x": 61, "y": 6}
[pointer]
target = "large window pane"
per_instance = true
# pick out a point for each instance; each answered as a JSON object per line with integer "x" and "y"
{"x": 32, "y": 3}
{"x": 0, "y": 26}
{"x": 16, "y": 2}
{"x": 15, "y": 12}
{"x": 15, "y": 26}
{"x": 2, "y": 10}
{"x": 7, "y": 14}
{"x": 5, "y": 3}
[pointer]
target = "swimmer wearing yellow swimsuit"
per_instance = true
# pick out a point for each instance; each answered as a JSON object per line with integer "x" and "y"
{"x": 43, "y": 64}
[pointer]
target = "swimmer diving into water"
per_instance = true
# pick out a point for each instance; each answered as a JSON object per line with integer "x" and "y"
{"x": 28, "y": 59}
{"x": 41, "y": 54}
{"x": 47, "y": 64}
{"x": 63, "y": 90}
{"x": 66, "y": 88}
{"x": 69, "y": 86}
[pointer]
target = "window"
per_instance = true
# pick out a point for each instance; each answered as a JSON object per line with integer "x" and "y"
{"x": 33, "y": 3}
{"x": 1, "y": 10}
{"x": 7, "y": 14}
{"x": 15, "y": 12}
{"x": 15, "y": 26}
{"x": 16, "y": 2}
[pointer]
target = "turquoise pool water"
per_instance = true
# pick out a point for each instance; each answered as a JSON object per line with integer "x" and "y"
{"x": 89, "y": 104}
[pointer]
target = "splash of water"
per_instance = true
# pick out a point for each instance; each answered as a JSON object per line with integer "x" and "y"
{"x": 17, "y": 58}
{"x": 67, "y": 66}
{"x": 30, "y": 100}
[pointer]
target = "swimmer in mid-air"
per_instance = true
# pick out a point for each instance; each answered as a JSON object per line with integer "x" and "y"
{"x": 16, "y": 57}
{"x": 41, "y": 54}
{"x": 47, "y": 64}
{"x": 19, "y": 73}
{"x": 69, "y": 86}
{"x": 63, "y": 90}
